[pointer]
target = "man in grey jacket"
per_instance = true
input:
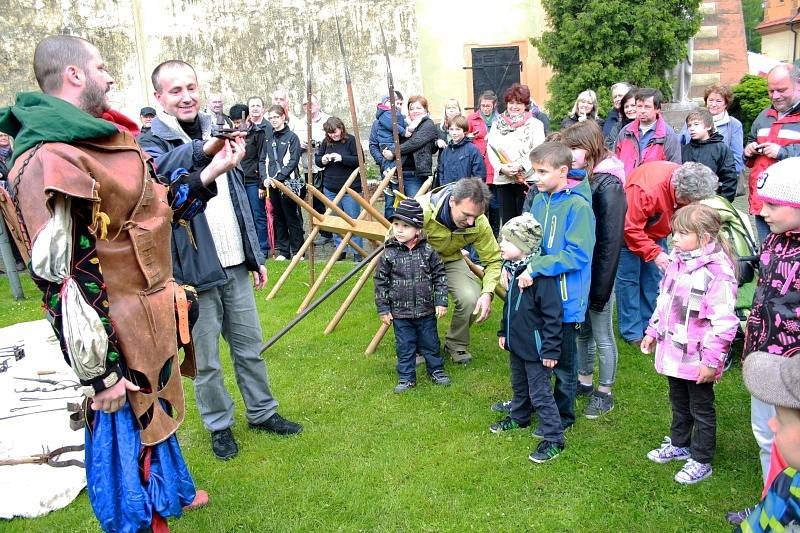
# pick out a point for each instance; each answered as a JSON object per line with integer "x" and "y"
{"x": 214, "y": 255}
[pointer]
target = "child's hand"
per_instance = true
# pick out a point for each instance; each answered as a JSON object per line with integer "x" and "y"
{"x": 647, "y": 343}
{"x": 441, "y": 144}
{"x": 441, "y": 310}
{"x": 549, "y": 363}
{"x": 706, "y": 374}
{"x": 524, "y": 280}
{"x": 386, "y": 318}
{"x": 501, "y": 341}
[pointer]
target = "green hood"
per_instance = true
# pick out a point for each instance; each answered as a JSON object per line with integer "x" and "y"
{"x": 38, "y": 117}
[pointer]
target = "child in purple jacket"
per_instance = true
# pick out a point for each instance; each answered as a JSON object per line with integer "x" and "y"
{"x": 692, "y": 328}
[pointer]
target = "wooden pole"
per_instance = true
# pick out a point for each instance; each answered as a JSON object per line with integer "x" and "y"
{"x": 353, "y": 293}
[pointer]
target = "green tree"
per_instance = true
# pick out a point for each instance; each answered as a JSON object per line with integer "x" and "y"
{"x": 753, "y": 15}
{"x": 592, "y": 44}
{"x": 750, "y": 98}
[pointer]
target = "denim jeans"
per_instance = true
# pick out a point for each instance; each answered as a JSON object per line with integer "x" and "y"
{"x": 351, "y": 207}
{"x": 230, "y": 310}
{"x": 412, "y": 336}
{"x": 259, "y": 216}
{"x": 411, "y": 186}
{"x": 530, "y": 382}
{"x": 566, "y": 373}
{"x": 760, "y": 413}
{"x": 694, "y": 420}
{"x": 637, "y": 288}
{"x": 597, "y": 335}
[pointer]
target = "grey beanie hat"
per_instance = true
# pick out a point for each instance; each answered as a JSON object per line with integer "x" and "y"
{"x": 774, "y": 379}
{"x": 524, "y": 232}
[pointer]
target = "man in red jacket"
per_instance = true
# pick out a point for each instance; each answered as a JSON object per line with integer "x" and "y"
{"x": 654, "y": 192}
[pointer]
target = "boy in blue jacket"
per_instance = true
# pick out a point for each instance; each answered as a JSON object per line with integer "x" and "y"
{"x": 564, "y": 205}
{"x": 461, "y": 158}
{"x": 531, "y": 331}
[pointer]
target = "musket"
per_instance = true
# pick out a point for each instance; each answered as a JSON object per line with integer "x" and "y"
{"x": 395, "y": 131}
{"x": 309, "y": 150}
{"x": 362, "y": 169}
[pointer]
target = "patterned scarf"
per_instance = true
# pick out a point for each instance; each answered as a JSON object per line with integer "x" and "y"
{"x": 506, "y": 123}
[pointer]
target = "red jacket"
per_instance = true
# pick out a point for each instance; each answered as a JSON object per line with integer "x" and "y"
{"x": 663, "y": 146}
{"x": 768, "y": 128}
{"x": 478, "y": 127}
{"x": 651, "y": 204}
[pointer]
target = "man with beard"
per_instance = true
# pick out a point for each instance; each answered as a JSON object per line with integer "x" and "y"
{"x": 214, "y": 254}
{"x": 95, "y": 221}
{"x": 454, "y": 219}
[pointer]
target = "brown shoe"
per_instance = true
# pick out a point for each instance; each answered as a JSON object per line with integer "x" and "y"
{"x": 460, "y": 357}
{"x": 635, "y": 343}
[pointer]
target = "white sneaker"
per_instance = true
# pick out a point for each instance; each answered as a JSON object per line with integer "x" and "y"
{"x": 280, "y": 258}
{"x": 693, "y": 472}
{"x": 667, "y": 452}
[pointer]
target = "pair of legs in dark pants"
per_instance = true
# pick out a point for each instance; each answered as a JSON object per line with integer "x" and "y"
{"x": 287, "y": 223}
{"x": 694, "y": 420}
{"x": 510, "y": 198}
{"x": 530, "y": 381}
{"x": 566, "y": 373}
{"x": 412, "y": 336}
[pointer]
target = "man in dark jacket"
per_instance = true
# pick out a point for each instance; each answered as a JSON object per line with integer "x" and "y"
{"x": 252, "y": 166}
{"x": 214, "y": 254}
{"x": 708, "y": 147}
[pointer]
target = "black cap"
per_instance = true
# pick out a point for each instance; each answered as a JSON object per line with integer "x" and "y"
{"x": 147, "y": 111}
{"x": 410, "y": 212}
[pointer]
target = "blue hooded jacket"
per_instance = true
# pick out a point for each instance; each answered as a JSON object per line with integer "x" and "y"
{"x": 460, "y": 160}
{"x": 568, "y": 238}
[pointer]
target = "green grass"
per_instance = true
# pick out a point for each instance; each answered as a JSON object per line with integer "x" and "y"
{"x": 425, "y": 461}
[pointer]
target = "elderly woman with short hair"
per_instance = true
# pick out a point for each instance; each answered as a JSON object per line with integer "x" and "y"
{"x": 514, "y": 133}
{"x": 615, "y": 116}
{"x": 654, "y": 191}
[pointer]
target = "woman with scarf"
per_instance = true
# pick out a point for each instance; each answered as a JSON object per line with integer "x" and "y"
{"x": 417, "y": 151}
{"x": 718, "y": 99}
{"x": 513, "y": 135}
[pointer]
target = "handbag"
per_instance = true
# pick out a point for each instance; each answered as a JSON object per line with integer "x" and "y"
{"x": 294, "y": 184}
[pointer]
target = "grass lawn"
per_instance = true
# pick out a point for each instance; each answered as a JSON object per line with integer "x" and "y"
{"x": 371, "y": 460}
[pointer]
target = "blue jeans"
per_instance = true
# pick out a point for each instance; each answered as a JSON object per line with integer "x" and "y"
{"x": 411, "y": 186}
{"x": 230, "y": 310}
{"x": 412, "y": 336}
{"x": 351, "y": 207}
{"x": 259, "y": 216}
{"x": 636, "y": 290}
{"x": 597, "y": 335}
{"x": 530, "y": 381}
{"x": 566, "y": 373}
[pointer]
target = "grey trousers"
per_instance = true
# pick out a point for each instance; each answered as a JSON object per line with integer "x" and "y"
{"x": 230, "y": 309}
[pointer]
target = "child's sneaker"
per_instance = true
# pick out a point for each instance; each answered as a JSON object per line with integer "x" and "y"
{"x": 584, "y": 390}
{"x": 667, "y": 452}
{"x": 506, "y": 424}
{"x": 693, "y": 472}
{"x": 503, "y": 406}
{"x": 403, "y": 385}
{"x": 600, "y": 403}
{"x": 546, "y": 451}
{"x": 440, "y": 378}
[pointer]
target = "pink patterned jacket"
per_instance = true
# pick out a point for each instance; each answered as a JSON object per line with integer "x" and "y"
{"x": 694, "y": 320}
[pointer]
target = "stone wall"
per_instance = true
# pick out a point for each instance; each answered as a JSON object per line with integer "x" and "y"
{"x": 238, "y": 47}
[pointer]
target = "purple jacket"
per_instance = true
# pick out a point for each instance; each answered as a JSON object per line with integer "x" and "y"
{"x": 694, "y": 321}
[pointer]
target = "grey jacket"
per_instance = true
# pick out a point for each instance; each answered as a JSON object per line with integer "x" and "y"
{"x": 194, "y": 256}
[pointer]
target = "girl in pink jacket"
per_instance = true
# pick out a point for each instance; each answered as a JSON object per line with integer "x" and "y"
{"x": 692, "y": 329}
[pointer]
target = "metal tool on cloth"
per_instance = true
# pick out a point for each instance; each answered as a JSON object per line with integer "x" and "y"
{"x": 49, "y": 458}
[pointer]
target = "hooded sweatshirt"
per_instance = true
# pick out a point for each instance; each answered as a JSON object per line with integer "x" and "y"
{"x": 568, "y": 225}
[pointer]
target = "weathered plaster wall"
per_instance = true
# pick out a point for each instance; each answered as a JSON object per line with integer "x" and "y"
{"x": 238, "y": 47}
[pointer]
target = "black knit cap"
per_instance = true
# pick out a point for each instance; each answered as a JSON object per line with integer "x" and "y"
{"x": 410, "y": 212}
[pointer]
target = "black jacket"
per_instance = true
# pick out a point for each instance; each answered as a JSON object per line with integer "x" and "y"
{"x": 609, "y": 206}
{"x": 194, "y": 256}
{"x": 715, "y": 154}
{"x": 255, "y": 153}
{"x": 532, "y": 318}
{"x": 282, "y": 150}
{"x": 410, "y": 283}
{"x": 571, "y": 120}
{"x": 417, "y": 151}
{"x": 335, "y": 174}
